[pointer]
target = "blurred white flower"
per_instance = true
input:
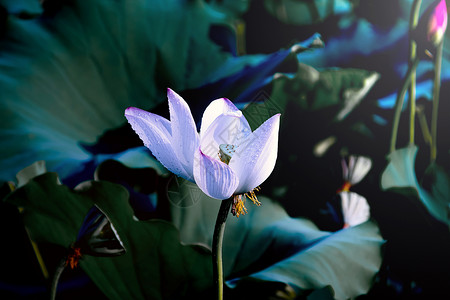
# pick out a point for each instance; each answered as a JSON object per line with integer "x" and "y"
{"x": 355, "y": 209}
{"x": 354, "y": 170}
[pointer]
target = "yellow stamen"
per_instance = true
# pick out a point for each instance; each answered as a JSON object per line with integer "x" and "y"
{"x": 252, "y": 196}
{"x": 226, "y": 152}
{"x": 238, "y": 207}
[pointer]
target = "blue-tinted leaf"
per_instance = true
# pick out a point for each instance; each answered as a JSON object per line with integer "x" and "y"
{"x": 306, "y": 12}
{"x": 353, "y": 253}
{"x": 91, "y": 60}
{"x": 268, "y": 244}
{"x": 25, "y": 8}
{"x": 400, "y": 169}
{"x": 400, "y": 176}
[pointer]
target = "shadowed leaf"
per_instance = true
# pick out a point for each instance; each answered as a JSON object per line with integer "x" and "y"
{"x": 155, "y": 266}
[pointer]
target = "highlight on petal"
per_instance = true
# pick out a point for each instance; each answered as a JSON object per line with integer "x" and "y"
{"x": 255, "y": 157}
{"x": 155, "y": 132}
{"x": 213, "y": 177}
{"x": 225, "y": 129}
{"x": 356, "y": 169}
{"x": 355, "y": 209}
{"x": 216, "y": 108}
{"x": 185, "y": 138}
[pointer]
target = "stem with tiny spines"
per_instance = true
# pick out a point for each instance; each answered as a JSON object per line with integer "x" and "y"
{"x": 412, "y": 56}
{"x": 436, "y": 88}
{"x": 399, "y": 103}
{"x": 219, "y": 230}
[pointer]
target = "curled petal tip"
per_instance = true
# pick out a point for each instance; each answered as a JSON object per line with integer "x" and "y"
{"x": 275, "y": 119}
{"x": 171, "y": 92}
{"x": 228, "y": 101}
{"x": 130, "y": 111}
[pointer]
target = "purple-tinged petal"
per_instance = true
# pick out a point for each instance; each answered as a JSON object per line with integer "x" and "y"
{"x": 357, "y": 168}
{"x": 155, "y": 131}
{"x": 185, "y": 139}
{"x": 255, "y": 158}
{"x": 213, "y": 177}
{"x": 218, "y": 107}
{"x": 225, "y": 129}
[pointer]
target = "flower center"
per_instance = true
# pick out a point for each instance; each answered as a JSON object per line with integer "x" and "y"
{"x": 226, "y": 152}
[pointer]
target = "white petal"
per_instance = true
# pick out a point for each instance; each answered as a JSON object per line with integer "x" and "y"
{"x": 185, "y": 138}
{"x": 225, "y": 129}
{"x": 355, "y": 208}
{"x": 216, "y": 108}
{"x": 213, "y": 177}
{"x": 255, "y": 158}
{"x": 357, "y": 169}
{"x": 154, "y": 131}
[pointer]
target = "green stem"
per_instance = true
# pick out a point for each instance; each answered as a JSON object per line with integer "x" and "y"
{"x": 219, "y": 229}
{"x": 412, "y": 57}
{"x": 436, "y": 88}
{"x": 412, "y": 108}
{"x": 424, "y": 125}
{"x": 58, "y": 272}
{"x": 399, "y": 103}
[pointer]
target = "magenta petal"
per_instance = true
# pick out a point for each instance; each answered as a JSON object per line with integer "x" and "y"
{"x": 213, "y": 177}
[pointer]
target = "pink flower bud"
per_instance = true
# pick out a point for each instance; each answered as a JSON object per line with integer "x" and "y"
{"x": 437, "y": 23}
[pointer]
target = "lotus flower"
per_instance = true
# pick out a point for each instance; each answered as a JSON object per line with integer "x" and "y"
{"x": 355, "y": 209}
{"x": 225, "y": 159}
{"x": 354, "y": 170}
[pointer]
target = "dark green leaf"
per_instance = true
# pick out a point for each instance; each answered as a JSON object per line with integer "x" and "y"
{"x": 155, "y": 266}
